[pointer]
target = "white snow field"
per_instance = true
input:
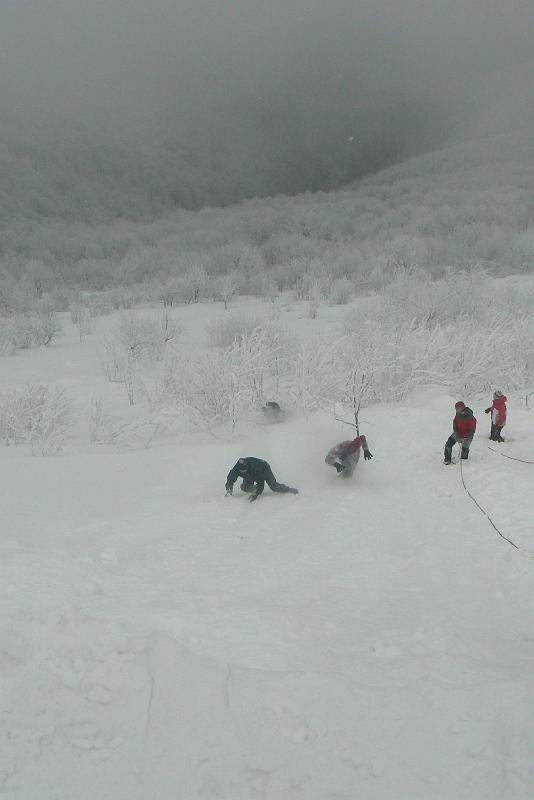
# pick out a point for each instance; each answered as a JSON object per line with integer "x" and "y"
{"x": 370, "y": 639}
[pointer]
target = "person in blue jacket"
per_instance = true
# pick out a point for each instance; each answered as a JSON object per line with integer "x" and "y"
{"x": 255, "y": 473}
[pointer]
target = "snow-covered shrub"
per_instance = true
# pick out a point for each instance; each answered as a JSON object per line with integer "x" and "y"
{"x": 24, "y": 332}
{"x": 98, "y": 303}
{"x": 495, "y": 351}
{"x": 315, "y": 296}
{"x": 268, "y": 287}
{"x": 290, "y": 273}
{"x": 136, "y": 341}
{"x": 186, "y": 287}
{"x": 38, "y": 275}
{"x": 123, "y": 299}
{"x": 366, "y": 366}
{"x": 194, "y": 283}
{"x": 312, "y": 282}
{"x": 170, "y": 329}
{"x": 81, "y": 315}
{"x": 171, "y": 292}
{"x": 311, "y": 379}
{"x": 469, "y": 361}
{"x": 37, "y": 415}
{"x": 340, "y": 291}
{"x": 412, "y": 295}
{"x": 61, "y": 298}
{"x": 226, "y": 331}
{"x": 421, "y": 358}
{"x": 140, "y": 337}
{"x": 114, "y": 360}
{"x": 218, "y": 387}
{"x": 519, "y": 297}
{"x": 198, "y": 390}
{"x": 17, "y": 296}
{"x": 75, "y": 309}
{"x": 384, "y": 359}
{"x": 523, "y": 353}
{"x": 102, "y": 429}
{"x": 226, "y": 287}
{"x": 523, "y": 250}
{"x": 263, "y": 357}
{"x": 236, "y": 257}
{"x": 84, "y": 323}
{"x": 7, "y": 346}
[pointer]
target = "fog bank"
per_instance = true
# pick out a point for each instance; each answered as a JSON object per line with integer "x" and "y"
{"x": 192, "y": 103}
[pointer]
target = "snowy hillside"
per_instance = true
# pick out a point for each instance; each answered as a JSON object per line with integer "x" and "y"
{"x": 367, "y": 639}
{"x": 454, "y": 209}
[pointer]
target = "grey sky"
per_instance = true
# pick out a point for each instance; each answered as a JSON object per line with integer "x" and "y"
{"x": 322, "y": 71}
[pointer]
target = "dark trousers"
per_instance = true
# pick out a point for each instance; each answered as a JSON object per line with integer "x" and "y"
{"x": 495, "y": 434}
{"x": 451, "y": 441}
{"x": 349, "y": 463}
{"x": 270, "y": 480}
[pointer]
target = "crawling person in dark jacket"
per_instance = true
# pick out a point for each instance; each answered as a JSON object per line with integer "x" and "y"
{"x": 255, "y": 473}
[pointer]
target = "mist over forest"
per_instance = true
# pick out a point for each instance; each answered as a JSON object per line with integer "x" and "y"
{"x": 131, "y": 110}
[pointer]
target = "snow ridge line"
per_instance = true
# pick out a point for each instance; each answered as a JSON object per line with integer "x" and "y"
{"x": 485, "y": 512}
{"x": 522, "y": 460}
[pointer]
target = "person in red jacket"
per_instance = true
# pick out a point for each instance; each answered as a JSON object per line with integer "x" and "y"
{"x": 498, "y": 415}
{"x": 464, "y": 426}
{"x": 345, "y": 455}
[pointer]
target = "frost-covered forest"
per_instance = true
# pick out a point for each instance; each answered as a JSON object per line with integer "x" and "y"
{"x": 461, "y": 208}
{"x": 420, "y": 254}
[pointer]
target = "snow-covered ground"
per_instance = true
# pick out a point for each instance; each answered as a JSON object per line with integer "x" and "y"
{"x": 369, "y": 639}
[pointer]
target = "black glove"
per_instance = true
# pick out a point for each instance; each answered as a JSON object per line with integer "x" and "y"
{"x": 229, "y": 488}
{"x": 339, "y": 467}
{"x": 487, "y": 410}
{"x": 367, "y": 455}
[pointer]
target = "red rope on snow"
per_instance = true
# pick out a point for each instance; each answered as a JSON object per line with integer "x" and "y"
{"x": 485, "y": 512}
{"x": 510, "y": 457}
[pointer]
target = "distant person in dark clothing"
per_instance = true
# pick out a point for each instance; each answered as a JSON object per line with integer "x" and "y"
{"x": 255, "y": 473}
{"x": 272, "y": 412}
{"x": 345, "y": 455}
{"x": 464, "y": 426}
{"x": 498, "y": 415}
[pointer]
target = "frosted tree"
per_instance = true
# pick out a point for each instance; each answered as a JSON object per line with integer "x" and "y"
{"x": 227, "y": 287}
{"x": 366, "y": 368}
{"x": 313, "y": 378}
{"x": 220, "y": 386}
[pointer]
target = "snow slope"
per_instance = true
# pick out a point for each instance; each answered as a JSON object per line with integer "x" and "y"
{"x": 365, "y": 639}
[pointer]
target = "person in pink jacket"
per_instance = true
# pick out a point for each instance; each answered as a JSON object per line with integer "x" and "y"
{"x": 345, "y": 455}
{"x": 498, "y": 415}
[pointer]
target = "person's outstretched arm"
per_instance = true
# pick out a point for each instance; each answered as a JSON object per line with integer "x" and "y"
{"x": 231, "y": 479}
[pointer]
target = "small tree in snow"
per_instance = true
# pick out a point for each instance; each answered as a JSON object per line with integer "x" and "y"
{"x": 313, "y": 378}
{"x": 227, "y": 287}
{"x": 38, "y": 415}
